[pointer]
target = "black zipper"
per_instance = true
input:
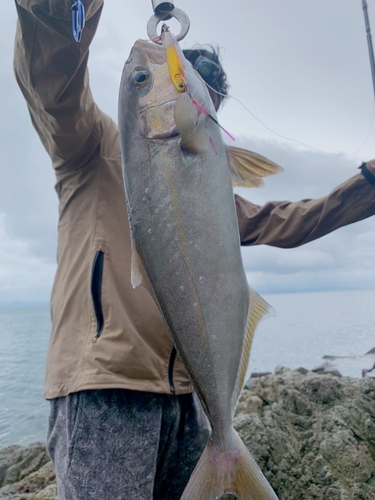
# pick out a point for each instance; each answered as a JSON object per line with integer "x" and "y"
{"x": 172, "y": 359}
{"x": 96, "y": 292}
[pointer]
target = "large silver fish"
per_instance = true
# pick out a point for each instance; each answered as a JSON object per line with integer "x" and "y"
{"x": 186, "y": 250}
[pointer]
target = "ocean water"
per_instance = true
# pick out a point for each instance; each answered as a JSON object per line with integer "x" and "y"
{"x": 307, "y": 327}
{"x": 24, "y": 335}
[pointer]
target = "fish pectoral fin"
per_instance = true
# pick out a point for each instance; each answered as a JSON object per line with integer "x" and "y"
{"x": 137, "y": 268}
{"x": 248, "y": 168}
{"x": 139, "y": 274}
{"x": 258, "y": 309}
{"x": 236, "y": 472}
{"x": 190, "y": 124}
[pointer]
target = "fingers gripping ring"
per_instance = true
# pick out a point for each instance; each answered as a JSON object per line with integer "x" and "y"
{"x": 178, "y": 14}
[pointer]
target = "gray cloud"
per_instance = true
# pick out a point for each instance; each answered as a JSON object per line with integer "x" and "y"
{"x": 300, "y": 67}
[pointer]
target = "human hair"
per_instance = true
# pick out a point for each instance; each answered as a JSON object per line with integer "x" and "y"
{"x": 219, "y": 81}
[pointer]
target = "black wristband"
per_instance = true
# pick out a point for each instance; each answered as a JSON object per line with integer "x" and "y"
{"x": 370, "y": 177}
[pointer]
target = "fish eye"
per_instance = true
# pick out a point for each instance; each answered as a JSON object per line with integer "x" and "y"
{"x": 141, "y": 77}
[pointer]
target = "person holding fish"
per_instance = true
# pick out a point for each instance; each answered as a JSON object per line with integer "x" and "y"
{"x": 125, "y": 422}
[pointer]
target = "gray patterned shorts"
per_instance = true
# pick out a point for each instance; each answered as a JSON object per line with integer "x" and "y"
{"x": 117, "y": 444}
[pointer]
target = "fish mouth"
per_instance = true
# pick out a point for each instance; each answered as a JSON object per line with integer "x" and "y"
{"x": 167, "y": 135}
{"x": 157, "y": 105}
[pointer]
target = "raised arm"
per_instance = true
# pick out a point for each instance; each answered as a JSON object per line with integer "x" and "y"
{"x": 288, "y": 224}
{"x": 51, "y": 70}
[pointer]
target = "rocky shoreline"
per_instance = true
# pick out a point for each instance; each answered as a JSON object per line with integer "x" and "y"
{"x": 313, "y": 435}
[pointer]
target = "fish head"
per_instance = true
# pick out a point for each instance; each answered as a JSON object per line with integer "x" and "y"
{"x": 148, "y": 96}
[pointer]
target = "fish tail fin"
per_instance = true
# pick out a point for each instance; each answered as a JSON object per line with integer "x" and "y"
{"x": 221, "y": 472}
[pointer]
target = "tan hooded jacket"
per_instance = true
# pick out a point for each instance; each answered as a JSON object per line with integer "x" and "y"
{"x": 105, "y": 334}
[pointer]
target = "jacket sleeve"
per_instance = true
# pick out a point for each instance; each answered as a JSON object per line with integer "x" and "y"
{"x": 288, "y": 224}
{"x": 51, "y": 70}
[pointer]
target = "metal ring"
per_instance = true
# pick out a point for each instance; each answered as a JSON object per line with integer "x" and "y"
{"x": 178, "y": 14}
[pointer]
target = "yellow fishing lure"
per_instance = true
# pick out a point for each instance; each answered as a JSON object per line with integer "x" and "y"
{"x": 174, "y": 58}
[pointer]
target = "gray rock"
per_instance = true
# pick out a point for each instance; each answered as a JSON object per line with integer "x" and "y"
{"x": 327, "y": 368}
{"x": 17, "y": 462}
{"x": 313, "y": 435}
{"x": 279, "y": 370}
{"x": 366, "y": 372}
{"x": 259, "y": 374}
{"x": 26, "y": 472}
{"x": 302, "y": 370}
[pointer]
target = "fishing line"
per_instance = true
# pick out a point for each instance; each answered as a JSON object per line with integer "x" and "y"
{"x": 206, "y": 112}
{"x": 295, "y": 140}
{"x": 199, "y": 106}
{"x": 271, "y": 130}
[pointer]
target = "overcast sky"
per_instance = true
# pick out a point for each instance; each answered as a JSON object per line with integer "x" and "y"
{"x": 299, "y": 66}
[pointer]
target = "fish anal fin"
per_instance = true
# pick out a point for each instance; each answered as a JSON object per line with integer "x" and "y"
{"x": 258, "y": 310}
{"x": 248, "y": 168}
{"x": 235, "y": 472}
{"x": 190, "y": 124}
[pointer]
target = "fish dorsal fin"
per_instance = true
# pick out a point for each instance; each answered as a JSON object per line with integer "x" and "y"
{"x": 190, "y": 124}
{"x": 247, "y": 168}
{"x": 258, "y": 310}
